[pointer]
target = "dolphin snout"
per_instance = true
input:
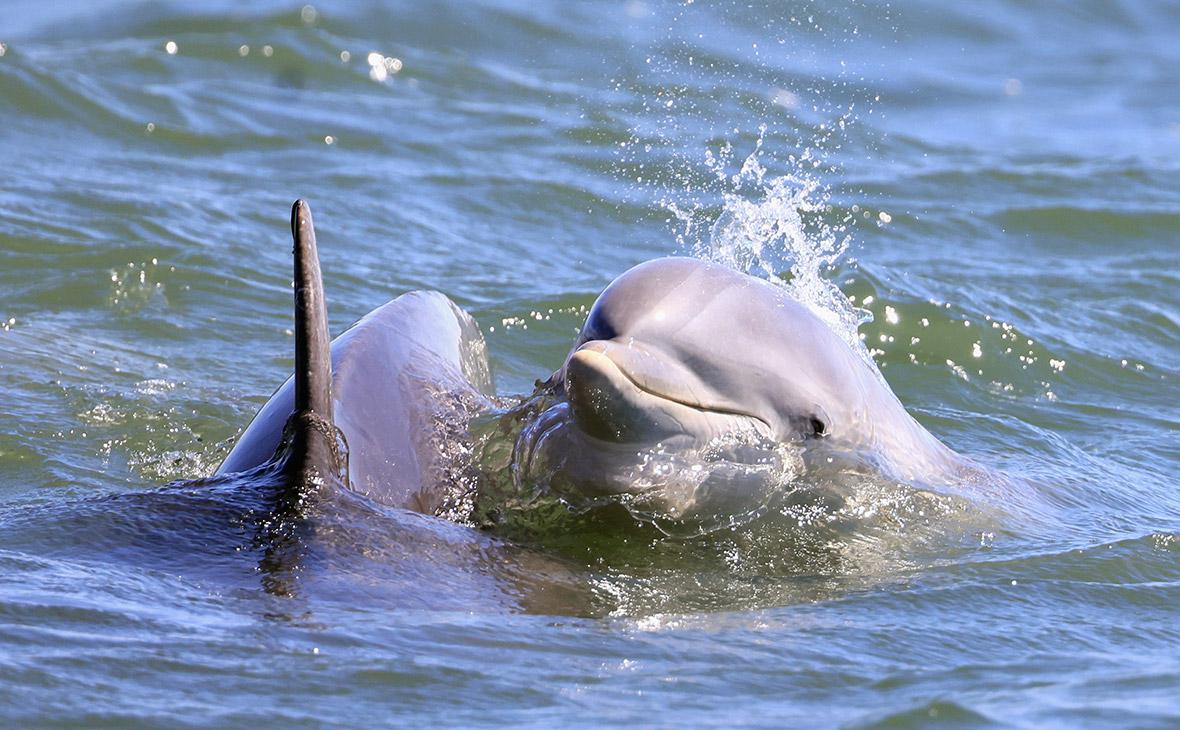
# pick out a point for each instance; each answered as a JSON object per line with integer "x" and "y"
{"x": 631, "y": 393}
{"x": 598, "y": 393}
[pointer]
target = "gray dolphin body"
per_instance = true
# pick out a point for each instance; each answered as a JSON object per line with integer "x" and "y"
{"x": 383, "y": 408}
{"x": 685, "y": 367}
{"x": 320, "y": 494}
{"x": 689, "y": 381}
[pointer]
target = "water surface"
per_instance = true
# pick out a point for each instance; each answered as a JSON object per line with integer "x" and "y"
{"x": 996, "y": 184}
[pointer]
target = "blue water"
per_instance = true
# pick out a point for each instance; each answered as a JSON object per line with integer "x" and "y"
{"x": 997, "y": 184}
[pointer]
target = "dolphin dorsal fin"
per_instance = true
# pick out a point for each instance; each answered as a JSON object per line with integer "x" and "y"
{"x": 313, "y": 357}
{"x": 314, "y": 449}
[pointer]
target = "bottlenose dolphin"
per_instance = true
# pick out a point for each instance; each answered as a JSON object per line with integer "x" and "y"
{"x": 690, "y": 389}
{"x": 691, "y": 385}
{"x": 698, "y": 384}
{"x": 320, "y": 501}
{"x": 381, "y": 409}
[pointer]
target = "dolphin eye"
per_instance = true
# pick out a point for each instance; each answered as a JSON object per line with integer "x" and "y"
{"x": 818, "y": 427}
{"x": 598, "y": 326}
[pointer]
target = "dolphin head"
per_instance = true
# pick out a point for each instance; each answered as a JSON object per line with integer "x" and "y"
{"x": 687, "y": 364}
{"x": 682, "y": 349}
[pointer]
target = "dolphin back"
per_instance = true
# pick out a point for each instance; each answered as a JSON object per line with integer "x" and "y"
{"x": 402, "y": 384}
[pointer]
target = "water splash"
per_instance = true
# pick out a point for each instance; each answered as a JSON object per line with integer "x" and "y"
{"x": 729, "y": 482}
{"x": 767, "y": 213}
{"x": 775, "y": 227}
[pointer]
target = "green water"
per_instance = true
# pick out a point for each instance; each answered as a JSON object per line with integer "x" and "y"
{"x": 1005, "y": 179}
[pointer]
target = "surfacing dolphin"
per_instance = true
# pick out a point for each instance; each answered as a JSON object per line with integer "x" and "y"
{"x": 319, "y": 502}
{"x": 694, "y": 387}
{"x": 383, "y": 408}
{"x": 691, "y": 388}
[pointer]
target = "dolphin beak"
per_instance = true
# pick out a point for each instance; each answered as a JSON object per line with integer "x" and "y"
{"x": 629, "y": 393}
{"x": 597, "y": 390}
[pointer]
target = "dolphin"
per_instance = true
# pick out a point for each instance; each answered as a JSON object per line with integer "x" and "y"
{"x": 698, "y": 383}
{"x": 691, "y": 385}
{"x": 382, "y": 408}
{"x": 335, "y": 496}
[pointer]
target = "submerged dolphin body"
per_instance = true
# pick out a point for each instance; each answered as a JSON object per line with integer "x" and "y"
{"x": 696, "y": 382}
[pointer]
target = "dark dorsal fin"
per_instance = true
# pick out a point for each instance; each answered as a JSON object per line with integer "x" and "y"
{"x": 312, "y": 458}
{"x": 313, "y": 357}
{"x": 315, "y": 448}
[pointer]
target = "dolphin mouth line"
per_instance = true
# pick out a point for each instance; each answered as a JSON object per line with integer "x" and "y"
{"x": 721, "y": 410}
